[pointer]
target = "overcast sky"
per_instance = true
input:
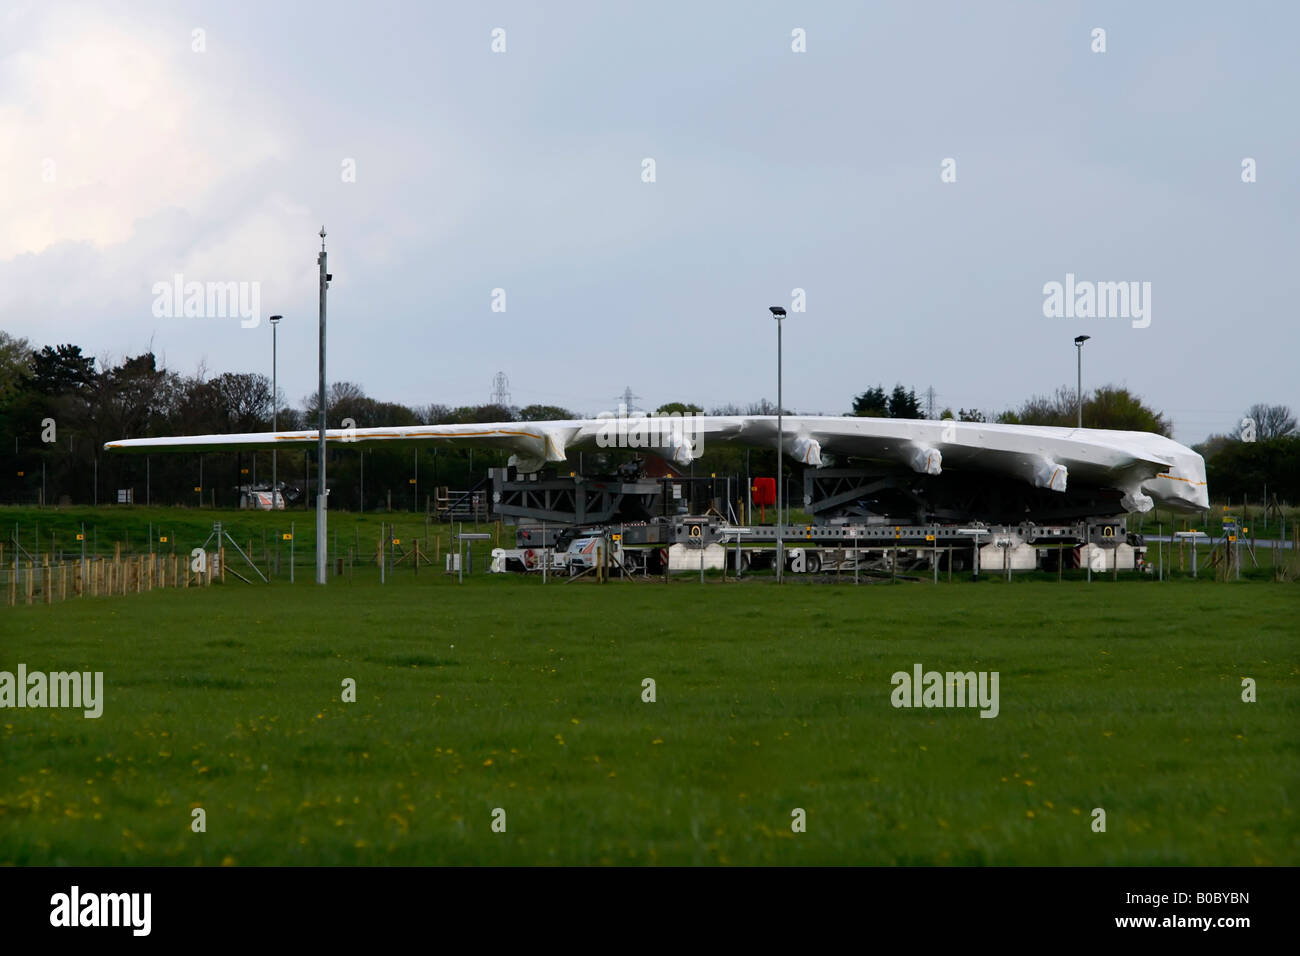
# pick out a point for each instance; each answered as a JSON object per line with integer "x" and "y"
{"x": 128, "y": 157}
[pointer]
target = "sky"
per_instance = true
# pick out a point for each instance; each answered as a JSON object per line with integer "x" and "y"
{"x": 921, "y": 171}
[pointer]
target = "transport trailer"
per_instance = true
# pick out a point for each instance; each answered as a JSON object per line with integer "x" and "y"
{"x": 692, "y": 543}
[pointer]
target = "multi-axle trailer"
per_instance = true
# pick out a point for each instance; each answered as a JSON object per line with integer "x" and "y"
{"x": 698, "y": 543}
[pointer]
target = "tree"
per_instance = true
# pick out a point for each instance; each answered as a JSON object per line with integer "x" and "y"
{"x": 15, "y": 366}
{"x": 194, "y": 408}
{"x": 1271, "y": 421}
{"x": 679, "y": 408}
{"x": 871, "y": 404}
{"x": 470, "y": 414}
{"x": 544, "y": 413}
{"x": 342, "y": 400}
{"x": 1213, "y": 445}
{"x": 1245, "y": 468}
{"x": 348, "y": 400}
{"x": 391, "y": 413}
{"x": 134, "y": 398}
{"x": 1110, "y": 406}
{"x": 244, "y": 400}
{"x": 434, "y": 413}
{"x": 1059, "y": 408}
{"x": 1114, "y": 407}
{"x": 61, "y": 370}
{"x": 903, "y": 403}
{"x": 874, "y": 403}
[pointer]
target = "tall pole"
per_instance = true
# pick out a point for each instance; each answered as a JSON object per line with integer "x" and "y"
{"x": 275, "y": 401}
{"x": 778, "y": 313}
{"x": 322, "y": 525}
{"x": 1078, "y": 388}
{"x": 780, "y": 484}
{"x": 1078, "y": 346}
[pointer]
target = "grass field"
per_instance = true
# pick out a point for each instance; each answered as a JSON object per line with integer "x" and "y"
{"x": 506, "y": 694}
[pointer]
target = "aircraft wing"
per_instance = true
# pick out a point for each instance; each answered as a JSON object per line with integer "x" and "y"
{"x": 1145, "y": 468}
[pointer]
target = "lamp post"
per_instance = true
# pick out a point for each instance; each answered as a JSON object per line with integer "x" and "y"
{"x": 1078, "y": 346}
{"x": 275, "y": 401}
{"x": 778, "y": 313}
{"x": 322, "y": 529}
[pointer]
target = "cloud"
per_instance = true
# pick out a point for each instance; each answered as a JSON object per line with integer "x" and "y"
{"x": 106, "y": 126}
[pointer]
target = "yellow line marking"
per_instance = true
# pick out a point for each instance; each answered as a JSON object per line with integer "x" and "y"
{"x": 431, "y": 435}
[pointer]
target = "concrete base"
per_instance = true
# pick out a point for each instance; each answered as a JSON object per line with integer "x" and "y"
{"x": 1106, "y": 559}
{"x": 682, "y": 557}
{"x": 1019, "y": 556}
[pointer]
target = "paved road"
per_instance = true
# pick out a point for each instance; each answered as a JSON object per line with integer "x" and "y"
{"x": 1264, "y": 543}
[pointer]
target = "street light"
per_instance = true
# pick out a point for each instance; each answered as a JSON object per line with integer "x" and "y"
{"x": 778, "y": 313}
{"x": 321, "y": 487}
{"x": 275, "y": 398}
{"x": 1078, "y": 345}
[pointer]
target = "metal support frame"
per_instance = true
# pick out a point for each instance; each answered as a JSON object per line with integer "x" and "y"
{"x": 221, "y": 534}
{"x": 565, "y": 500}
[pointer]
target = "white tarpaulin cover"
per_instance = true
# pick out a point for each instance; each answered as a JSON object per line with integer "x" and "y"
{"x": 1148, "y": 469}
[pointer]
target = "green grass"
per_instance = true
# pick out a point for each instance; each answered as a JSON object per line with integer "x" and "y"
{"x": 135, "y": 527}
{"x": 504, "y": 693}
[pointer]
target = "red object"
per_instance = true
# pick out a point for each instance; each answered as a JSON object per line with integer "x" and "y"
{"x": 764, "y": 491}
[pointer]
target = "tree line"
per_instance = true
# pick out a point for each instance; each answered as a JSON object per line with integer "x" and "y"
{"x": 59, "y": 406}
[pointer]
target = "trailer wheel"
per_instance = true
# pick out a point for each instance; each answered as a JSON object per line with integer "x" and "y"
{"x": 812, "y": 562}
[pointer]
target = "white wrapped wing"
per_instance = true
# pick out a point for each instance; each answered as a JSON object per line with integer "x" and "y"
{"x": 1146, "y": 468}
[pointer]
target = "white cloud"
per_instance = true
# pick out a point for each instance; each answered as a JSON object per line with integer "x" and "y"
{"x": 133, "y": 122}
